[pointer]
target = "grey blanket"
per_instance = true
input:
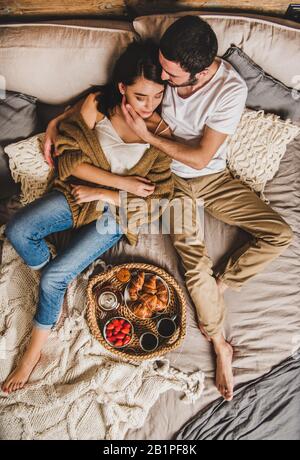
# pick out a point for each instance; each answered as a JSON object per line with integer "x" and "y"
{"x": 266, "y": 409}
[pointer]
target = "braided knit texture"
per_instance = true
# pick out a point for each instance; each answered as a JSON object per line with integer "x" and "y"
{"x": 78, "y": 390}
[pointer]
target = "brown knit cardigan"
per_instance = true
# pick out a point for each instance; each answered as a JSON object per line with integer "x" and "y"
{"x": 77, "y": 144}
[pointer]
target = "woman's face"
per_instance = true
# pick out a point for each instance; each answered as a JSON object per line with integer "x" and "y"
{"x": 144, "y": 96}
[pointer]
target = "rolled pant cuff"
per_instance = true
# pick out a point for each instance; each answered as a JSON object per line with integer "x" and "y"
{"x": 43, "y": 326}
{"x": 38, "y": 267}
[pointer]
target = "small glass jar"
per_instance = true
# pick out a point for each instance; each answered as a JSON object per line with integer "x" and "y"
{"x": 108, "y": 299}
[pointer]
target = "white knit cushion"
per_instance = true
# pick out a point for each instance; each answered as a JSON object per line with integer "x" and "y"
{"x": 254, "y": 154}
{"x": 28, "y": 166}
{"x": 257, "y": 147}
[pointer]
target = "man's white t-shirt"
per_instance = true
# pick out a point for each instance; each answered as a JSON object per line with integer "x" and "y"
{"x": 218, "y": 105}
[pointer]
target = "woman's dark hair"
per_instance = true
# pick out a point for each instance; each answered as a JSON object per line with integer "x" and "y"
{"x": 190, "y": 42}
{"x": 140, "y": 59}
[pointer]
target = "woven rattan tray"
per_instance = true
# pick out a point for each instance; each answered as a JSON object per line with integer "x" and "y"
{"x": 97, "y": 318}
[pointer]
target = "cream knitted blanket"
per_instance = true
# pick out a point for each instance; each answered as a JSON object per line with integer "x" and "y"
{"x": 78, "y": 390}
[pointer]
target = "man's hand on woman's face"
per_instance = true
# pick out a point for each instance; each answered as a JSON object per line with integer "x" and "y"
{"x": 135, "y": 122}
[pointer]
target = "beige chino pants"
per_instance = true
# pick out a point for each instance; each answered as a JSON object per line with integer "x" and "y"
{"x": 230, "y": 201}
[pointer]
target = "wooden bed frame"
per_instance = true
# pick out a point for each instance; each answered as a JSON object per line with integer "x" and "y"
{"x": 130, "y": 8}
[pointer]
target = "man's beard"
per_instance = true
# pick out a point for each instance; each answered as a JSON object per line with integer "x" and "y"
{"x": 191, "y": 82}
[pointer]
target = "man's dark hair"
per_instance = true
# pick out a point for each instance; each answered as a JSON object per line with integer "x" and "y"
{"x": 190, "y": 42}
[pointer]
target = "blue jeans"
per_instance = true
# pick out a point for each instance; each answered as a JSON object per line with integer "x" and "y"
{"x": 26, "y": 232}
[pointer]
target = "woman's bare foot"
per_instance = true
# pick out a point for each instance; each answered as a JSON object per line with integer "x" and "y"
{"x": 224, "y": 373}
{"x": 17, "y": 379}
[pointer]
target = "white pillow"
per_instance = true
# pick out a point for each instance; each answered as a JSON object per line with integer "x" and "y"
{"x": 257, "y": 147}
{"x": 28, "y": 166}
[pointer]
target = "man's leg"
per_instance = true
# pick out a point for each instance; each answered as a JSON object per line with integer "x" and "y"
{"x": 233, "y": 203}
{"x": 230, "y": 201}
{"x": 202, "y": 286}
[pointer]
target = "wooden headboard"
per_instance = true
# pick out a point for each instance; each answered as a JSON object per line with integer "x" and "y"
{"x": 130, "y": 8}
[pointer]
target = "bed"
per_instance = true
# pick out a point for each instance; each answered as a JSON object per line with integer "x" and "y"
{"x": 263, "y": 320}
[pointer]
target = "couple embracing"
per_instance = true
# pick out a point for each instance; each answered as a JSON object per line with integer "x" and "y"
{"x": 157, "y": 131}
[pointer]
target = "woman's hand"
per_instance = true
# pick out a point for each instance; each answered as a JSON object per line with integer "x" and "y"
{"x": 50, "y": 139}
{"x": 85, "y": 194}
{"x": 89, "y": 110}
{"x": 139, "y": 186}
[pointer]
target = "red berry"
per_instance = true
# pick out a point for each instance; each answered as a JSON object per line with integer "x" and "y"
{"x": 119, "y": 343}
{"x": 112, "y": 339}
{"x": 120, "y": 336}
{"x": 126, "y": 340}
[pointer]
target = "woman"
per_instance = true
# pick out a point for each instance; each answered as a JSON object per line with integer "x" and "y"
{"x": 95, "y": 147}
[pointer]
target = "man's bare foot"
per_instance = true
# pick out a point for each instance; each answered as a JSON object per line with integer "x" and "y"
{"x": 224, "y": 374}
{"x": 17, "y": 379}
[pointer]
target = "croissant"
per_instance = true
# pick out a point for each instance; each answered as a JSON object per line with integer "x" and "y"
{"x": 160, "y": 306}
{"x": 150, "y": 285}
{"x": 163, "y": 298}
{"x": 136, "y": 285}
{"x": 149, "y": 300}
{"x": 133, "y": 293}
{"x": 162, "y": 293}
{"x": 142, "y": 311}
{"x": 161, "y": 288}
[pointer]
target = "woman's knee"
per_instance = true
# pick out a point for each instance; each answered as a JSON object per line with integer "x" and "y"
{"x": 15, "y": 230}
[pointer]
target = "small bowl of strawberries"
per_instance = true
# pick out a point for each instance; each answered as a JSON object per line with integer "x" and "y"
{"x": 118, "y": 332}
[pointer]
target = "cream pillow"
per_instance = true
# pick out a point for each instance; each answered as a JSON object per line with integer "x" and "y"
{"x": 28, "y": 166}
{"x": 57, "y": 62}
{"x": 254, "y": 155}
{"x": 257, "y": 147}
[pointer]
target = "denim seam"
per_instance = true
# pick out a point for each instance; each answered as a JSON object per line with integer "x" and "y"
{"x": 51, "y": 226}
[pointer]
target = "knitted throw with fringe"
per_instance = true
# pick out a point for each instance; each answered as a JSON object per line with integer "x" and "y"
{"x": 78, "y": 390}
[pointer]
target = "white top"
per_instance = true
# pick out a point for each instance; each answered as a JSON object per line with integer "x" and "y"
{"x": 121, "y": 156}
{"x": 218, "y": 105}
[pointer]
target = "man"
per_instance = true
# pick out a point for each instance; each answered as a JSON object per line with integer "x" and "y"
{"x": 203, "y": 105}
